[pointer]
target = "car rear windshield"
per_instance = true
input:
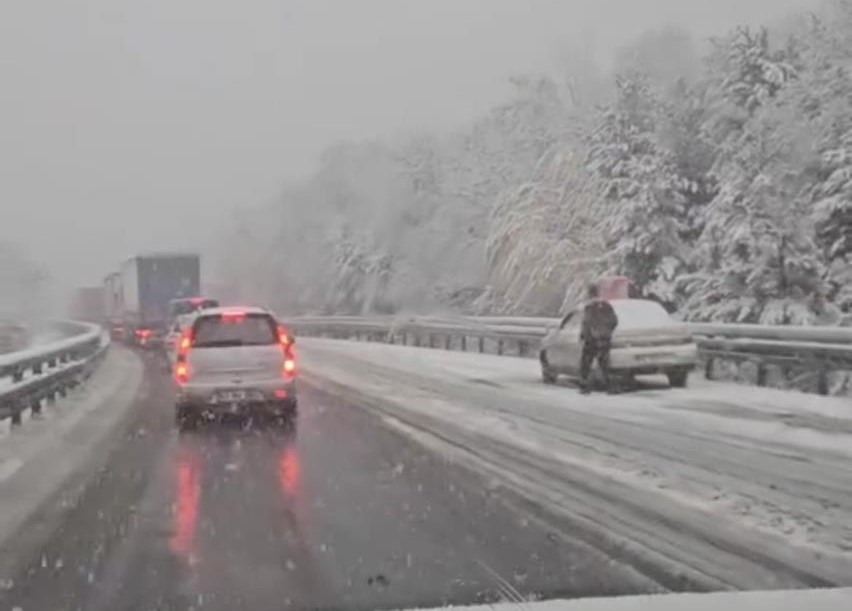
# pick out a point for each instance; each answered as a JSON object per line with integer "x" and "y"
{"x": 640, "y": 314}
{"x": 234, "y": 330}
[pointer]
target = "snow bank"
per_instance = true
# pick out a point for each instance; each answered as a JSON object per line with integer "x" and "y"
{"x": 787, "y": 600}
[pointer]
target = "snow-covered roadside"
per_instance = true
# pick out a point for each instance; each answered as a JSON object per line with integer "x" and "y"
{"x": 782, "y": 600}
{"x": 37, "y": 458}
{"x": 733, "y": 486}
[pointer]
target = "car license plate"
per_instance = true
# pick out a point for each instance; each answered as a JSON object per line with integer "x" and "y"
{"x": 230, "y": 396}
{"x": 655, "y": 356}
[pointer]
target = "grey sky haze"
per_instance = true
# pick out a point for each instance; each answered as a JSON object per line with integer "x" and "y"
{"x": 132, "y": 125}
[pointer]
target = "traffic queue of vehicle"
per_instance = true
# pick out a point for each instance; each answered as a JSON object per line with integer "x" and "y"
{"x": 223, "y": 360}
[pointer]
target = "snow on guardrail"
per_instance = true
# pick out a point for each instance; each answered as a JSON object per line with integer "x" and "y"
{"x": 29, "y": 377}
{"x": 821, "y": 350}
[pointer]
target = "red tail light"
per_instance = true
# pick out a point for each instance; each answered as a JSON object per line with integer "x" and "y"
{"x": 185, "y": 342}
{"x": 181, "y": 372}
{"x": 143, "y": 333}
{"x": 289, "y": 367}
{"x": 283, "y": 338}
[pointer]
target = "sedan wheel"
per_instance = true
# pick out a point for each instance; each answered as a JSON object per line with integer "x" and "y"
{"x": 547, "y": 374}
{"x": 677, "y": 378}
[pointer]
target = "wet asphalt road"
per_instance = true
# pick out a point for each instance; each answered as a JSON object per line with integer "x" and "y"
{"x": 334, "y": 512}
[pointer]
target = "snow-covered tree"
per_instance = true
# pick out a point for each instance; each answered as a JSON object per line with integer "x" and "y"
{"x": 822, "y": 95}
{"x": 646, "y": 206}
{"x": 760, "y": 261}
{"x": 546, "y": 240}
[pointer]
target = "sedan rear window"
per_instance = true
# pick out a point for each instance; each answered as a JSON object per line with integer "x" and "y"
{"x": 240, "y": 330}
{"x": 640, "y": 314}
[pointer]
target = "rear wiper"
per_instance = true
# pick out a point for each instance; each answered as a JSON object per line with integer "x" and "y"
{"x": 220, "y": 344}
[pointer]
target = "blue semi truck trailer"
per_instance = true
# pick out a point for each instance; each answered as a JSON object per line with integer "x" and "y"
{"x": 147, "y": 284}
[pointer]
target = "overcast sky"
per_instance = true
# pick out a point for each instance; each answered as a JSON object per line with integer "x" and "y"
{"x": 130, "y": 125}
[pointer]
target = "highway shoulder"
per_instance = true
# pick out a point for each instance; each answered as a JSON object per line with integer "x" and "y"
{"x": 45, "y": 463}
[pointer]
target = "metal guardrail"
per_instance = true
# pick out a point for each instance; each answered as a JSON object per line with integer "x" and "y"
{"x": 42, "y": 373}
{"x": 821, "y": 350}
{"x": 12, "y": 337}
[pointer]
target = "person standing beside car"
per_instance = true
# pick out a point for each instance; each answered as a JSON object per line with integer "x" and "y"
{"x": 599, "y": 323}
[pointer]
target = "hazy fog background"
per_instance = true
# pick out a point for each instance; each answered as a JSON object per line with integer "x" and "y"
{"x": 128, "y": 125}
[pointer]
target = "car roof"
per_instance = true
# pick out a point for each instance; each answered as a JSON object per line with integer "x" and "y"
{"x": 191, "y": 299}
{"x": 233, "y": 310}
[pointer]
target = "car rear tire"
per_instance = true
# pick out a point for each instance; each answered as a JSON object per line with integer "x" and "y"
{"x": 185, "y": 417}
{"x": 678, "y": 378}
{"x": 548, "y": 376}
{"x": 286, "y": 414}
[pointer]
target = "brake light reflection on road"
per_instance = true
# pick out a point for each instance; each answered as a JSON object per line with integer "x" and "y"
{"x": 185, "y": 511}
{"x": 288, "y": 470}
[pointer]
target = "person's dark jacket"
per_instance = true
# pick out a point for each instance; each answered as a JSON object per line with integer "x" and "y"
{"x": 599, "y": 321}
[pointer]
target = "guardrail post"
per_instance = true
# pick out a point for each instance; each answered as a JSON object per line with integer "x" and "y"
{"x": 16, "y": 413}
{"x": 522, "y": 348}
{"x": 481, "y": 345}
{"x": 35, "y": 406}
{"x": 448, "y": 342}
{"x": 500, "y": 347}
{"x": 822, "y": 381}
{"x": 464, "y": 343}
{"x": 761, "y": 374}
{"x": 405, "y": 338}
{"x": 431, "y": 341}
{"x": 416, "y": 340}
{"x": 708, "y": 368}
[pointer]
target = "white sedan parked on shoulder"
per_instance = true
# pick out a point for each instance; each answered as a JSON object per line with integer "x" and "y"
{"x": 646, "y": 341}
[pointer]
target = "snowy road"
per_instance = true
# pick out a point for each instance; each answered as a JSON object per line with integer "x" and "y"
{"x": 341, "y": 513}
{"x": 719, "y": 486}
{"x": 420, "y": 477}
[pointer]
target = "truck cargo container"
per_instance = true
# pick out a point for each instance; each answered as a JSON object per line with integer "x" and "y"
{"x": 148, "y": 284}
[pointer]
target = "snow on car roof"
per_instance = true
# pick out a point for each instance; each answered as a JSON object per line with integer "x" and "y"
{"x": 640, "y": 314}
{"x": 233, "y": 310}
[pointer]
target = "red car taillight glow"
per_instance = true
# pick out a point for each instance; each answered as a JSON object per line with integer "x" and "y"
{"x": 181, "y": 372}
{"x": 185, "y": 343}
{"x": 289, "y": 367}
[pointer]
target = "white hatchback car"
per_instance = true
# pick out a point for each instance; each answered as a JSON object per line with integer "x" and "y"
{"x": 235, "y": 361}
{"x": 646, "y": 341}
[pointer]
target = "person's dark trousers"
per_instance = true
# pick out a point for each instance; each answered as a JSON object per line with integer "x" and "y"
{"x": 595, "y": 349}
